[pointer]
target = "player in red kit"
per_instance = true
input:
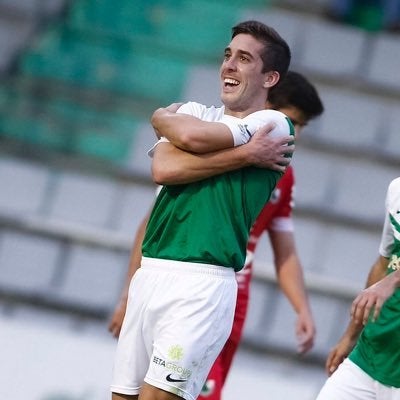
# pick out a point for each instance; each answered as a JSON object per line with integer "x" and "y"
{"x": 296, "y": 97}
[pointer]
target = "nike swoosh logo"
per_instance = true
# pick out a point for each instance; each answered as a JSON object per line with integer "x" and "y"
{"x": 170, "y": 379}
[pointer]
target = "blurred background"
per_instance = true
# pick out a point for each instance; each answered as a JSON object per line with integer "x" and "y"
{"x": 79, "y": 81}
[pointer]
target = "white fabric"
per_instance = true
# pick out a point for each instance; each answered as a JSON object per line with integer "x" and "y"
{"x": 349, "y": 382}
{"x": 282, "y": 224}
{"x": 392, "y": 202}
{"x": 158, "y": 296}
{"x": 241, "y": 128}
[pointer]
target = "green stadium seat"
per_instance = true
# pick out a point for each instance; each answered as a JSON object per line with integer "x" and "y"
{"x": 111, "y": 65}
{"x": 183, "y": 30}
{"x": 68, "y": 127}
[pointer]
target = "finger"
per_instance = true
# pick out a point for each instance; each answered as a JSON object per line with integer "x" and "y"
{"x": 329, "y": 363}
{"x": 367, "y": 312}
{"x": 357, "y": 309}
{"x": 336, "y": 360}
{"x": 377, "y": 310}
{"x": 279, "y": 167}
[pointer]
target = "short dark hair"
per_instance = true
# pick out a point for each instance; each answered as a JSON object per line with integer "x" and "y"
{"x": 295, "y": 90}
{"x": 276, "y": 55}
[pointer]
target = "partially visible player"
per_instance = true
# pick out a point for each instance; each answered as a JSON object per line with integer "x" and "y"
{"x": 299, "y": 100}
{"x": 365, "y": 362}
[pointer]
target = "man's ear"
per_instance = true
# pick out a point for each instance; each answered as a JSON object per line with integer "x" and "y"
{"x": 271, "y": 78}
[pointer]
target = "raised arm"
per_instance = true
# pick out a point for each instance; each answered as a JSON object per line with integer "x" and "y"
{"x": 191, "y": 133}
{"x": 171, "y": 165}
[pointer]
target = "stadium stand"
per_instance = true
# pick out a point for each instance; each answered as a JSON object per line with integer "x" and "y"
{"x": 79, "y": 80}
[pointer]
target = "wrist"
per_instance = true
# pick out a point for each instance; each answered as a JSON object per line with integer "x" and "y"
{"x": 246, "y": 156}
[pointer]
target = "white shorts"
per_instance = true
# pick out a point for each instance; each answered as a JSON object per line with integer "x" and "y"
{"x": 178, "y": 318}
{"x": 350, "y": 382}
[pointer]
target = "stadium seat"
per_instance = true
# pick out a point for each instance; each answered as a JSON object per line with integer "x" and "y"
{"x": 352, "y": 194}
{"x": 203, "y": 84}
{"x": 109, "y": 65}
{"x": 14, "y": 36}
{"x": 341, "y": 263}
{"x": 134, "y": 201}
{"x": 384, "y": 66}
{"x": 313, "y": 172}
{"x": 287, "y": 23}
{"x": 392, "y": 144}
{"x": 353, "y": 118}
{"x": 28, "y": 262}
{"x": 182, "y": 31}
{"x": 74, "y": 196}
{"x": 93, "y": 277}
{"x": 332, "y": 49}
{"x": 127, "y": 20}
{"x": 26, "y": 184}
{"x": 35, "y": 8}
{"x": 329, "y": 330}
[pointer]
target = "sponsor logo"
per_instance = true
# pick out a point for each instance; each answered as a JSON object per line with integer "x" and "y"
{"x": 175, "y": 352}
{"x": 171, "y": 379}
{"x": 176, "y": 370}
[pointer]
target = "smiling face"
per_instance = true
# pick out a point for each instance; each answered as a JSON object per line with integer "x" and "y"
{"x": 244, "y": 85}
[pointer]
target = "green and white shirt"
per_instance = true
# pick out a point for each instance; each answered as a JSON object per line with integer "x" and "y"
{"x": 209, "y": 221}
{"x": 378, "y": 349}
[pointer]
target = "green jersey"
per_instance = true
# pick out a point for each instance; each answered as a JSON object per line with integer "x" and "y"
{"x": 378, "y": 349}
{"x": 208, "y": 221}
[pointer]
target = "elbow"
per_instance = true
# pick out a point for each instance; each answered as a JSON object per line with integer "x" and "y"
{"x": 162, "y": 175}
{"x": 158, "y": 176}
{"x": 156, "y": 117}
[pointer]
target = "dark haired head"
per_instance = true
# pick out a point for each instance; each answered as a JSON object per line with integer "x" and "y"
{"x": 295, "y": 90}
{"x": 276, "y": 55}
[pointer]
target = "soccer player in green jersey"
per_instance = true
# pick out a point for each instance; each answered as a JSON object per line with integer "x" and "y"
{"x": 182, "y": 298}
{"x": 365, "y": 364}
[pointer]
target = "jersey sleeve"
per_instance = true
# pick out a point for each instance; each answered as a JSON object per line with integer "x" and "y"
{"x": 392, "y": 206}
{"x": 387, "y": 241}
{"x": 162, "y": 139}
{"x": 244, "y": 128}
{"x": 192, "y": 108}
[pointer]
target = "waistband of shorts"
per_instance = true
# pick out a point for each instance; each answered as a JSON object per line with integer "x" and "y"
{"x": 184, "y": 266}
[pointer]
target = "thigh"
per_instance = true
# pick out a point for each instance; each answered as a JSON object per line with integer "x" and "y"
{"x": 387, "y": 392}
{"x": 149, "y": 392}
{"x": 195, "y": 314}
{"x": 132, "y": 354}
{"x": 348, "y": 382}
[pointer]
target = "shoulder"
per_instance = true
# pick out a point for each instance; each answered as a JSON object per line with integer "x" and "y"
{"x": 393, "y": 194}
{"x": 202, "y": 111}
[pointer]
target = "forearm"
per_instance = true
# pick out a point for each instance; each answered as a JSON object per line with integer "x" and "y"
{"x": 376, "y": 274}
{"x": 190, "y": 133}
{"x": 135, "y": 256}
{"x": 172, "y": 166}
{"x": 291, "y": 281}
